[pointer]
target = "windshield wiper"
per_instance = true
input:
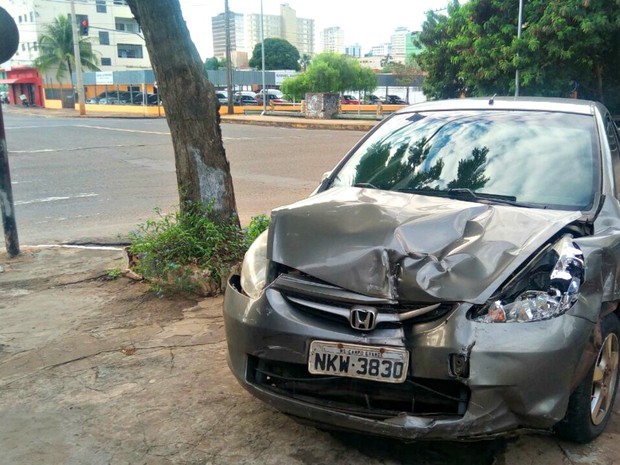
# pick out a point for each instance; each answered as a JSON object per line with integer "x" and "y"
{"x": 424, "y": 191}
{"x": 463, "y": 193}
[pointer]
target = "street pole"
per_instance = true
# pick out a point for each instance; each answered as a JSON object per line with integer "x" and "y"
{"x": 78, "y": 61}
{"x": 6, "y": 197}
{"x": 229, "y": 74}
{"x": 262, "y": 48}
{"x": 519, "y": 26}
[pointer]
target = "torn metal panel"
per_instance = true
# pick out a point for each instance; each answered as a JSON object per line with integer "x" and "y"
{"x": 409, "y": 247}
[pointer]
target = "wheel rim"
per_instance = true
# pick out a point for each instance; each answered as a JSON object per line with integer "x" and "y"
{"x": 604, "y": 379}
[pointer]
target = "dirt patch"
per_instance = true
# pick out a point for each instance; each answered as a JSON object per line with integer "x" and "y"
{"x": 99, "y": 371}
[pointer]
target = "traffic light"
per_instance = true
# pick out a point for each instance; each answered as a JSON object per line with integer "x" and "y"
{"x": 84, "y": 27}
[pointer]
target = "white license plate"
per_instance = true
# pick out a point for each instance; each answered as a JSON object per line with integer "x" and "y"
{"x": 383, "y": 364}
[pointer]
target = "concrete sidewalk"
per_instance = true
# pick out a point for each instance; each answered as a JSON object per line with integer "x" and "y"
{"x": 257, "y": 119}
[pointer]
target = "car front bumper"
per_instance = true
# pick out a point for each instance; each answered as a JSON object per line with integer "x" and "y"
{"x": 515, "y": 375}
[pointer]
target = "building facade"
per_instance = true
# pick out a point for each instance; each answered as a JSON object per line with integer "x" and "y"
{"x": 113, "y": 32}
{"x": 237, "y": 34}
{"x": 333, "y": 40}
{"x": 272, "y": 27}
{"x": 401, "y": 41}
{"x": 299, "y": 32}
{"x": 354, "y": 50}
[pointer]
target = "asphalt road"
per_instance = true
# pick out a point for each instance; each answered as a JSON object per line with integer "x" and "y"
{"x": 95, "y": 179}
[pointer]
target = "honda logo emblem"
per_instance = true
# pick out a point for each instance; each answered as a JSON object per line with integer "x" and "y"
{"x": 363, "y": 318}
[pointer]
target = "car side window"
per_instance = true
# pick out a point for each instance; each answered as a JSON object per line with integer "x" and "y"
{"x": 612, "y": 138}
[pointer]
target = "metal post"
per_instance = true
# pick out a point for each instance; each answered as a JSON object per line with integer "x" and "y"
{"x": 262, "y": 47}
{"x": 78, "y": 61}
{"x": 519, "y": 26}
{"x": 229, "y": 74}
{"x": 6, "y": 197}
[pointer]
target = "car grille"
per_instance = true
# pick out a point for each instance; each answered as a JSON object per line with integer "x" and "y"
{"x": 369, "y": 399}
{"x": 323, "y": 300}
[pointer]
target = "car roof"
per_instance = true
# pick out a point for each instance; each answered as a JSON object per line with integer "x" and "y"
{"x": 509, "y": 103}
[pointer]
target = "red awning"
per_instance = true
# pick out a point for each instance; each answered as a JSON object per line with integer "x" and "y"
{"x": 22, "y": 80}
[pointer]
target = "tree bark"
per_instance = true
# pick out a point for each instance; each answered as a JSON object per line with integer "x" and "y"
{"x": 203, "y": 172}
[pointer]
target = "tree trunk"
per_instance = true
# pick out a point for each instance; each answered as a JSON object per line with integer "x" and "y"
{"x": 203, "y": 172}
{"x": 599, "y": 81}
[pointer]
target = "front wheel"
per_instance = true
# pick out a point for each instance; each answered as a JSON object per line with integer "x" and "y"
{"x": 590, "y": 406}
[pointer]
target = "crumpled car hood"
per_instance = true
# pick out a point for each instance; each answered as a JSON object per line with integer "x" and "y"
{"x": 409, "y": 247}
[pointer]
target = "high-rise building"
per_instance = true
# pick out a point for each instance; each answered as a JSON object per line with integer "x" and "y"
{"x": 299, "y": 32}
{"x": 333, "y": 40}
{"x": 237, "y": 33}
{"x": 354, "y": 50}
{"x": 113, "y": 32}
{"x": 305, "y": 36}
{"x": 272, "y": 27}
{"x": 381, "y": 50}
{"x": 401, "y": 42}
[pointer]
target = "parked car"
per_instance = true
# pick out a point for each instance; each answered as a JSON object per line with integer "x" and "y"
{"x": 274, "y": 97}
{"x": 138, "y": 98}
{"x": 456, "y": 276}
{"x": 222, "y": 97}
{"x": 245, "y": 100}
{"x": 394, "y": 100}
{"x": 373, "y": 99}
{"x": 112, "y": 98}
{"x": 349, "y": 100}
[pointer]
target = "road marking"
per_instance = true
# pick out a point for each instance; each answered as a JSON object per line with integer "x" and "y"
{"x": 33, "y": 151}
{"x": 55, "y": 199}
{"x": 83, "y": 148}
{"x": 123, "y": 130}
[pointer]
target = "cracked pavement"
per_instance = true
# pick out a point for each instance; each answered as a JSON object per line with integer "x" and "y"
{"x": 96, "y": 370}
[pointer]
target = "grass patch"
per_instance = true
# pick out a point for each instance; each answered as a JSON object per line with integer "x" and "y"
{"x": 186, "y": 251}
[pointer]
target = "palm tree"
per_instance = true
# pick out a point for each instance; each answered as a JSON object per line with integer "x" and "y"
{"x": 56, "y": 50}
{"x": 304, "y": 61}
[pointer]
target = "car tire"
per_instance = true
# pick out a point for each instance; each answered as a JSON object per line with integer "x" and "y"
{"x": 591, "y": 404}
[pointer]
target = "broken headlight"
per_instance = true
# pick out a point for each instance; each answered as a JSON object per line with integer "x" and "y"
{"x": 546, "y": 289}
{"x": 255, "y": 265}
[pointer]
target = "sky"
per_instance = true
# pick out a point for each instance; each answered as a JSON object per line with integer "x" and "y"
{"x": 366, "y": 23}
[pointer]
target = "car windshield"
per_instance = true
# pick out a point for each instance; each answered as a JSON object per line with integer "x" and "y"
{"x": 534, "y": 159}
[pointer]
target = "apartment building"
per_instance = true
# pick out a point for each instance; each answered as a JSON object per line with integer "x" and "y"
{"x": 114, "y": 34}
{"x": 237, "y": 33}
{"x": 333, "y": 40}
{"x": 298, "y": 31}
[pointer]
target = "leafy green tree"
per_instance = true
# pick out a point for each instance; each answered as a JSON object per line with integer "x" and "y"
{"x": 56, "y": 52}
{"x": 295, "y": 88}
{"x": 304, "y": 61}
{"x": 442, "y": 74}
{"x": 475, "y": 50}
{"x": 406, "y": 74}
{"x": 212, "y": 64}
{"x": 279, "y": 54}
{"x": 331, "y": 72}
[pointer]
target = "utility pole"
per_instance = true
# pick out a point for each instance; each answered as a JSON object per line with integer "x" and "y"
{"x": 229, "y": 75}
{"x": 6, "y": 197}
{"x": 262, "y": 52}
{"x": 519, "y": 27}
{"x": 8, "y": 47}
{"x": 78, "y": 61}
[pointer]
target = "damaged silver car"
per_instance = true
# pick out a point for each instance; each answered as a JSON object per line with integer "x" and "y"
{"x": 456, "y": 276}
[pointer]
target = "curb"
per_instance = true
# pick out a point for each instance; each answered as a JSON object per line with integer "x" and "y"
{"x": 275, "y": 121}
{"x": 345, "y": 126}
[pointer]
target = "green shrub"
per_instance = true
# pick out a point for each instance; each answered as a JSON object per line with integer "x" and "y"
{"x": 172, "y": 250}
